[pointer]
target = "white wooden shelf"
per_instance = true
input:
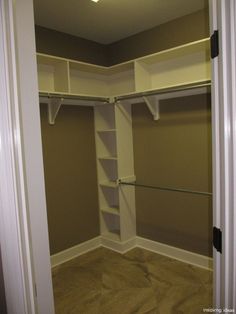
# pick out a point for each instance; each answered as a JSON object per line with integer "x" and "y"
{"x": 179, "y": 65}
{"x": 111, "y": 210}
{"x": 113, "y": 236}
{"x": 109, "y": 158}
{"x": 109, "y": 184}
{"x": 106, "y": 131}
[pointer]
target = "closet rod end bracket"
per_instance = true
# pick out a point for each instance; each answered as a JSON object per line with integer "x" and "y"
{"x": 54, "y": 105}
{"x": 152, "y": 103}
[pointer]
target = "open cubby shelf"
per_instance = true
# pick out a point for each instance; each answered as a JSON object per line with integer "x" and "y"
{"x": 179, "y": 65}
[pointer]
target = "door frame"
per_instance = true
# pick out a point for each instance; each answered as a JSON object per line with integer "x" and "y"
{"x": 23, "y": 218}
{"x": 223, "y": 19}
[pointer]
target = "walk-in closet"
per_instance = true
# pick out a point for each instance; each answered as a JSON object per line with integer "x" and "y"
{"x": 125, "y": 104}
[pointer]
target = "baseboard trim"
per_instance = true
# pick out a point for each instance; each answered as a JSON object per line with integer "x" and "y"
{"x": 120, "y": 247}
{"x": 66, "y": 255}
{"x": 176, "y": 253}
{"x": 123, "y": 247}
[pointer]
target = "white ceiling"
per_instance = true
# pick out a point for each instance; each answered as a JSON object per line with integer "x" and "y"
{"x": 110, "y": 20}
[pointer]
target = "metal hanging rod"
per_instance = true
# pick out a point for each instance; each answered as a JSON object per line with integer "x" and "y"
{"x": 74, "y": 97}
{"x": 166, "y": 188}
{"x": 162, "y": 91}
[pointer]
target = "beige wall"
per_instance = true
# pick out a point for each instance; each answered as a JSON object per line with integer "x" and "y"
{"x": 70, "y": 176}
{"x": 174, "y": 151}
{"x": 189, "y": 28}
{"x": 179, "y": 31}
{"x": 64, "y": 45}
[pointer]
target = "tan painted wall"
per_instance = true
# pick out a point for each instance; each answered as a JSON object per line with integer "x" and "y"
{"x": 175, "y": 152}
{"x": 179, "y": 31}
{"x": 191, "y": 27}
{"x": 64, "y": 45}
{"x": 70, "y": 176}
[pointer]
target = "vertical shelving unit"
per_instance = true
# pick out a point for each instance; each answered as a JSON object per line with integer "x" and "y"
{"x": 107, "y": 171}
{"x": 125, "y": 155}
{"x": 114, "y": 145}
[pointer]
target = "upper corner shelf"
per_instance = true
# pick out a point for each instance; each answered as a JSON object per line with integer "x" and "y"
{"x": 199, "y": 46}
{"x": 180, "y": 65}
{"x": 173, "y": 67}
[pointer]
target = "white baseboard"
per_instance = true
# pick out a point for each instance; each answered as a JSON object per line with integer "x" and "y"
{"x": 176, "y": 253}
{"x": 120, "y": 247}
{"x": 75, "y": 251}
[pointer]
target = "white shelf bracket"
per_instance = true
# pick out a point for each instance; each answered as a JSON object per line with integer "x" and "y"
{"x": 54, "y": 106}
{"x": 152, "y": 103}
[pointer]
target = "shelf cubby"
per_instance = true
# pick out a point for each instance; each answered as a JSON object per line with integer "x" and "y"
{"x": 180, "y": 65}
{"x": 121, "y": 78}
{"x": 110, "y": 225}
{"x": 106, "y": 144}
{"x": 108, "y": 198}
{"x": 53, "y": 74}
{"x": 105, "y": 118}
{"x": 88, "y": 79}
{"x": 107, "y": 169}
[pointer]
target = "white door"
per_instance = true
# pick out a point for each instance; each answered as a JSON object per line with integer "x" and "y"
{"x": 223, "y": 22}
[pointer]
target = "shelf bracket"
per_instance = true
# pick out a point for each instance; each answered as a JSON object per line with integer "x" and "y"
{"x": 54, "y": 106}
{"x": 152, "y": 103}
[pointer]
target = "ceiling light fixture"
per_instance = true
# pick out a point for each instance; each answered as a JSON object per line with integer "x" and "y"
{"x": 95, "y": 0}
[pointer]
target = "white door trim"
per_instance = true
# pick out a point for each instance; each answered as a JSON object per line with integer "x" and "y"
{"x": 23, "y": 219}
{"x": 16, "y": 260}
{"x": 223, "y": 18}
{"x": 215, "y": 157}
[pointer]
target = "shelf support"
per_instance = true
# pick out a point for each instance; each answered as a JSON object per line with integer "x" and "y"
{"x": 54, "y": 106}
{"x": 153, "y": 106}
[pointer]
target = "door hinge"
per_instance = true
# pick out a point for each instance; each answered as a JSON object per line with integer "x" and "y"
{"x": 217, "y": 239}
{"x": 215, "y": 44}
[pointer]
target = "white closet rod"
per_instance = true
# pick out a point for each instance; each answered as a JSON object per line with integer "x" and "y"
{"x": 74, "y": 97}
{"x": 162, "y": 91}
{"x": 55, "y": 101}
{"x": 161, "y": 188}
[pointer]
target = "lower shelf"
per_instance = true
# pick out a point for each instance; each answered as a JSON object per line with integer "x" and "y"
{"x": 111, "y": 210}
{"x": 114, "y": 235}
{"x": 109, "y": 184}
